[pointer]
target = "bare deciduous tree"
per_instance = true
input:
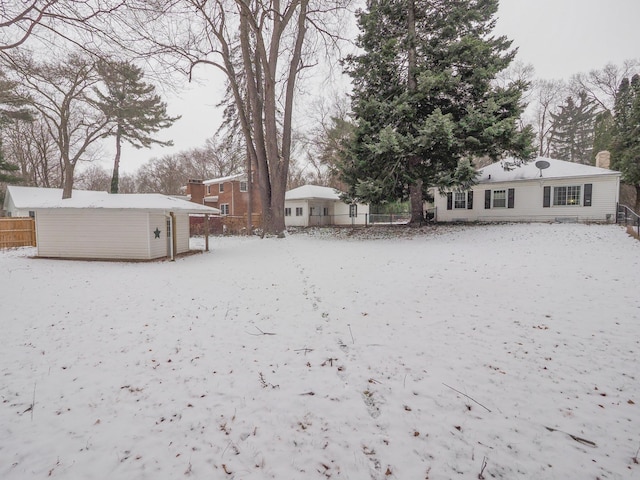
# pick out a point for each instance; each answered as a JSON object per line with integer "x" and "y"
{"x": 602, "y": 85}
{"x": 20, "y": 20}
{"x": 162, "y": 175}
{"x": 31, "y": 147}
{"x": 548, "y": 96}
{"x": 261, "y": 48}
{"x": 60, "y": 93}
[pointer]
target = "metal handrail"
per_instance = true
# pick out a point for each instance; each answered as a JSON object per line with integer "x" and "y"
{"x": 628, "y": 217}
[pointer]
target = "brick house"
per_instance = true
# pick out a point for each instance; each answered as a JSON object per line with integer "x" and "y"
{"x": 230, "y": 195}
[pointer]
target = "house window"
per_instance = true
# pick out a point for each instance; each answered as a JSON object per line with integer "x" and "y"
{"x": 298, "y": 211}
{"x": 325, "y": 211}
{"x": 353, "y": 210}
{"x": 224, "y": 209}
{"x": 287, "y": 211}
{"x": 459, "y": 200}
{"x": 499, "y": 198}
{"x": 208, "y": 189}
{"x": 221, "y": 188}
{"x": 566, "y": 195}
{"x": 244, "y": 186}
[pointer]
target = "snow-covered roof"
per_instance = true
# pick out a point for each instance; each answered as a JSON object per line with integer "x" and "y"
{"x": 306, "y": 192}
{"x": 25, "y": 198}
{"x": 229, "y": 178}
{"x": 34, "y": 198}
{"x": 495, "y": 172}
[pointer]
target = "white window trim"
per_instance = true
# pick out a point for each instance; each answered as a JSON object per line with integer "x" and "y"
{"x": 455, "y": 200}
{"x": 493, "y": 198}
{"x": 223, "y": 207}
{"x": 578, "y": 203}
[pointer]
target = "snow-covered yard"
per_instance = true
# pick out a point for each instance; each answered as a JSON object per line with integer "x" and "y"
{"x": 418, "y": 356}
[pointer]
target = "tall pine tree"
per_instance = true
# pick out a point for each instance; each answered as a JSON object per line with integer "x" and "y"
{"x": 134, "y": 108}
{"x": 424, "y": 98}
{"x": 625, "y": 154}
{"x": 572, "y": 131}
{"x": 12, "y": 108}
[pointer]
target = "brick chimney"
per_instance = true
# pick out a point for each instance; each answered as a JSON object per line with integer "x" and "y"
{"x": 195, "y": 188}
{"x": 603, "y": 159}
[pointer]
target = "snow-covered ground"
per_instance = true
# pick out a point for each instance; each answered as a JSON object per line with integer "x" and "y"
{"x": 424, "y": 355}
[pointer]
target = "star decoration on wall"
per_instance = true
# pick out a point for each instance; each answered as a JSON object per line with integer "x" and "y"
{"x": 156, "y": 232}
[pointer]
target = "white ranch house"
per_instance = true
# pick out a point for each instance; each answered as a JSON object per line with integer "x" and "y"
{"x": 313, "y": 205}
{"x": 98, "y": 225}
{"x": 558, "y": 192}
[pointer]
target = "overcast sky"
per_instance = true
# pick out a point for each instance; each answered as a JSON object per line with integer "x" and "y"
{"x": 558, "y": 37}
{"x": 564, "y": 37}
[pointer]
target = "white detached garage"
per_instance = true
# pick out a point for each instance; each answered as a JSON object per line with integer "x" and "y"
{"x": 115, "y": 226}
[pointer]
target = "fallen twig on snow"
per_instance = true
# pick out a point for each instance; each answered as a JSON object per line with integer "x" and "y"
{"x": 472, "y": 399}
{"x": 261, "y": 332}
{"x": 305, "y": 350}
{"x": 574, "y": 437}
{"x": 482, "y": 467}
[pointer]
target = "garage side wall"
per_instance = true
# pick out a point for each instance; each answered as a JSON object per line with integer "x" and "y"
{"x": 157, "y": 246}
{"x": 182, "y": 231}
{"x": 95, "y": 233}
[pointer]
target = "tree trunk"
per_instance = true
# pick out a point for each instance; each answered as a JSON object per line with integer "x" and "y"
{"x": 415, "y": 190}
{"x": 115, "y": 179}
{"x": 249, "y": 195}
{"x": 637, "y": 205}
{"x": 68, "y": 181}
{"x": 417, "y": 204}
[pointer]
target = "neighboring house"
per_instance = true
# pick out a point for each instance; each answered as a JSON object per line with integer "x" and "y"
{"x": 544, "y": 190}
{"x": 97, "y": 225}
{"x": 312, "y": 205}
{"x": 229, "y": 194}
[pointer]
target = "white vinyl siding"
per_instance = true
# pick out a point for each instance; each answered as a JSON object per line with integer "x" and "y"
{"x": 529, "y": 202}
{"x": 182, "y": 233}
{"x": 84, "y": 233}
{"x": 157, "y": 246}
{"x": 107, "y": 233}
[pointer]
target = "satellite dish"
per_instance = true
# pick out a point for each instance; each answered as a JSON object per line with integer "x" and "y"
{"x": 541, "y": 165}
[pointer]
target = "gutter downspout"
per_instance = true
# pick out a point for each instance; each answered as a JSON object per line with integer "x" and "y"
{"x": 174, "y": 238}
{"x": 206, "y": 232}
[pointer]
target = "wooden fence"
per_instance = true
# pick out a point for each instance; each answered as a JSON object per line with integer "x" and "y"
{"x": 17, "y": 232}
{"x": 227, "y": 224}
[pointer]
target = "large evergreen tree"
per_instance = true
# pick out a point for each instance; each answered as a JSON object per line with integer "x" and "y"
{"x": 625, "y": 154}
{"x": 603, "y": 132}
{"x": 12, "y": 108}
{"x": 572, "y": 131}
{"x": 133, "y": 106}
{"x": 424, "y": 98}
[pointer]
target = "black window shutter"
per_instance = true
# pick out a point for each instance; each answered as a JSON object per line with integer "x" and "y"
{"x": 487, "y": 199}
{"x": 511, "y": 197}
{"x": 546, "y": 198}
{"x": 588, "y": 187}
{"x": 470, "y": 200}
{"x": 449, "y": 201}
